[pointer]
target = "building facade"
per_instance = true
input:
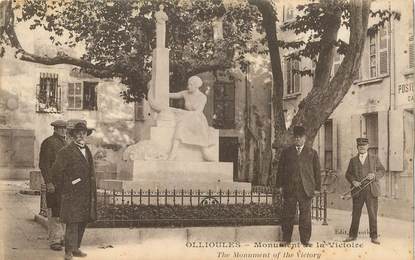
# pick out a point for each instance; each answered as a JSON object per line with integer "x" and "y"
{"x": 379, "y": 106}
{"x": 32, "y": 96}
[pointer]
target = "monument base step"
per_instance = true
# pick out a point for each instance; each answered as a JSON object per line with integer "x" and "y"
{"x": 177, "y": 172}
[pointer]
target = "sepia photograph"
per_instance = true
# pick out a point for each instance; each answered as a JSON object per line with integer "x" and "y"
{"x": 207, "y": 129}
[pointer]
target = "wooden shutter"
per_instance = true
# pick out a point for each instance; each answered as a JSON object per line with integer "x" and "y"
{"x": 355, "y": 131}
{"x": 289, "y": 76}
{"x": 5, "y": 146}
{"x": 23, "y": 148}
{"x": 71, "y": 95}
{"x": 334, "y": 127}
{"x": 297, "y": 77}
{"x": 396, "y": 141}
{"x": 383, "y": 137}
{"x": 89, "y": 96}
{"x": 411, "y": 52}
{"x": 321, "y": 147}
{"x": 383, "y": 51}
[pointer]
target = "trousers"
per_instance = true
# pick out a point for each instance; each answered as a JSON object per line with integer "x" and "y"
{"x": 73, "y": 236}
{"x": 289, "y": 210}
{"x": 56, "y": 229}
{"x": 364, "y": 197}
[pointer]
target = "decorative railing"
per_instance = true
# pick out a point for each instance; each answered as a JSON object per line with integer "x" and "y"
{"x": 147, "y": 208}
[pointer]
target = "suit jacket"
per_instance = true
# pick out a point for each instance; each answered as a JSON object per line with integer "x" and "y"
{"x": 352, "y": 173}
{"x": 75, "y": 176}
{"x": 308, "y": 165}
{"x": 48, "y": 150}
{"x": 47, "y": 156}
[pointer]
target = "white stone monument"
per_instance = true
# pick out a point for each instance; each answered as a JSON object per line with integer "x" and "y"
{"x": 191, "y": 168}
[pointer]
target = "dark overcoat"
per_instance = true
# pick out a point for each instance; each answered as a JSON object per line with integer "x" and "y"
{"x": 75, "y": 177}
{"x": 353, "y": 174}
{"x": 308, "y": 165}
{"x": 48, "y": 150}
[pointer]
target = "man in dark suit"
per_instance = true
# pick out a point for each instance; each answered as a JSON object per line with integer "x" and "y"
{"x": 74, "y": 174}
{"x": 364, "y": 165}
{"x": 298, "y": 179}
{"x": 48, "y": 150}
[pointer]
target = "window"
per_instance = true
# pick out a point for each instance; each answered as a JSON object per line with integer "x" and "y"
{"x": 224, "y": 105}
{"x": 328, "y": 145}
{"x": 48, "y": 94}
{"x": 378, "y": 53}
{"x": 371, "y": 123}
{"x": 292, "y": 79}
{"x": 289, "y": 13}
{"x": 82, "y": 96}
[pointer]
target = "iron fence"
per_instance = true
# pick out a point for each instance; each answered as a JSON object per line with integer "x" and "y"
{"x": 144, "y": 208}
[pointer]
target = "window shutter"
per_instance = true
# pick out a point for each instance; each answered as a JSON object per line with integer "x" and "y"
{"x": 297, "y": 77}
{"x": 383, "y": 51}
{"x": 71, "y": 95}
{"x": 23, "y": 148}
{"x": 334, "y": 147}
{"x": 383, "y": 137}
{"x": 355, "y": 130}
{"x": 396, "y": 145}
{"x": 288, "y": 76}
{"x": 411, "y": 52}
{"x": 321, "y": 150}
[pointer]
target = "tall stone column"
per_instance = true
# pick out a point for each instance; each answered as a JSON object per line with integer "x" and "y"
{"x": 160, "y": 69}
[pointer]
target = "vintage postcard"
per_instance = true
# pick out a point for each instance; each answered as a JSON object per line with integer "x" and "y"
{"x": 206, "y": 129}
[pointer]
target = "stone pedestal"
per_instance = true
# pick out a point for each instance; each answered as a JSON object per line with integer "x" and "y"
{"x": 179, "y": 175}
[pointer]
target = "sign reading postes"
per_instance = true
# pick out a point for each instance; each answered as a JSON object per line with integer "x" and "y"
{"x": 405, "y": 93}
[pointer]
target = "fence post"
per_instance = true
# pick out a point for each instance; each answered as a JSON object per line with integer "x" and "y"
{"x": 325, "y": 208}
{"x": 132, "y": 208}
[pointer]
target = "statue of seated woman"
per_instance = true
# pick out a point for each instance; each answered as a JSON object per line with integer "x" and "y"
{"x": 191, "y": 126}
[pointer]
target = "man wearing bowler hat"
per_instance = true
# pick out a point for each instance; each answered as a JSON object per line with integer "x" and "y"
{"x": 74, "y": 174}
{"x": 364, "y": 166}
{"x": 299, "y": 180}
{"x": 48, "y": 150}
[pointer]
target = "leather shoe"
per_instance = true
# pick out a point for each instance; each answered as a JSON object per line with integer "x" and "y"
{"x": 307, "y": 244}
{"x": 79, "y": 253}
{"x": 68, "y": 256}
{"x": 56, "y": 247}
{"x": 349, "y": 239}
{"x": 375, "y": 241}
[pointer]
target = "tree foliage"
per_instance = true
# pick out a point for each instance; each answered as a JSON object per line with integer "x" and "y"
{"x": 119, "y": 37}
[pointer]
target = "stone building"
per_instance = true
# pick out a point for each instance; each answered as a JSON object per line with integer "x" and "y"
{"x": 379, "y": 106}
{"x": 33, "y": 95}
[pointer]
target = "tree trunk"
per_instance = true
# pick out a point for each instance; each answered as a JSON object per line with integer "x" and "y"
{"x": 317, "y": 107}
{"x": 269, "y": 23}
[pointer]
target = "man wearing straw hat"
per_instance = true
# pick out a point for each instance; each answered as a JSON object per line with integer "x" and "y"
{"x": 74, "y": 174}
{"x": 48, "y": 149}
{"x": 364, "y": 166}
